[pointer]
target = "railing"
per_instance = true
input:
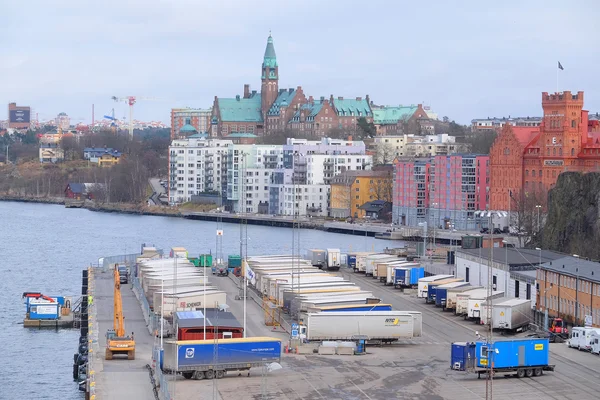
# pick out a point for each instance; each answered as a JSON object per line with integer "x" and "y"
{"x": 128, "y": 259}
{"x": 161, "y": 380}
{"x": 152, "y": 320}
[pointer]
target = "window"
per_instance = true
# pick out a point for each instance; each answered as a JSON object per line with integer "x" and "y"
{"x": 516, "y": 289}
{"x": 467, "y": 274}
{"x": 494, "y": 281}
{"x": 528, "y": 292}
{"x": 484, "y": 352}
{"x": 572, "y": 152}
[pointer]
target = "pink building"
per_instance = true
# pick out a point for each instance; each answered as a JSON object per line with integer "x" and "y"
{"x": 442, "y": 190}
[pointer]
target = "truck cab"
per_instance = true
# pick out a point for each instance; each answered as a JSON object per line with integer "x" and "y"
{"x": 123, "y": 274}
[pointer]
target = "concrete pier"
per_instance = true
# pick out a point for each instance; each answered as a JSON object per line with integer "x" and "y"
{"x": 118, "y": 378}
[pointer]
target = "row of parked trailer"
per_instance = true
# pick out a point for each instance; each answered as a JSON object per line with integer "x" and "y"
{"x": 171, "y": 284}
{"x": 326, "y": 306}
{"x": 445, "y": 291}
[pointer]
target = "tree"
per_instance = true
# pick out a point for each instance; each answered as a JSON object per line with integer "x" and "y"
{"x": 524, "y": 213}
{"x": 381, "y": 188}
{"x": 481, "y": 141}
{"x": 410, "y": 126}
{"x": 384, "y": 153}
{"x": 366, "y": 129}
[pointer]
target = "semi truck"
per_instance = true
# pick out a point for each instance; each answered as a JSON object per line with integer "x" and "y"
{"x": 199, "y": 359}
{"x": 385, "y": 326}
{"x": 521, "y": 357}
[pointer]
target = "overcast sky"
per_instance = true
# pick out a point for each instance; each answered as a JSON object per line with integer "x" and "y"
{"x": 464, "y": 59}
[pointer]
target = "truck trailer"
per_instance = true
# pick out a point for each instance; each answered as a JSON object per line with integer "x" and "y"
{"x": 423, "y": 284}
{"x": 441, "y": 292}
{"x": 317, "y": 257}
{"x": 453, "y": 292}
{"x": 199, "y": 359}
{"x": 385, "y": 326}
{"x": 512, "y": 315}
{"x": 334, "y": 259}
{"x": 521, "y": 357}
{"x": 432, "y": 288}
{"x": 408, "y": 275}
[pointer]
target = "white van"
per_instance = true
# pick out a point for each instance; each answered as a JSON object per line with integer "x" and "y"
{"x": 596, "y": 343}
{"x": 581, "y": 337}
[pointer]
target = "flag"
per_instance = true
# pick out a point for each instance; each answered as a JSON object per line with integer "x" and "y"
{"x": 560, "y": 66}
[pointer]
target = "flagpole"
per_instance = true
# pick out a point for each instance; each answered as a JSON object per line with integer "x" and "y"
{"x": 557, "y": 69}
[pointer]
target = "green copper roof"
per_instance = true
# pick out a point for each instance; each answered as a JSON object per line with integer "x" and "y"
{"x": 187, "y": 128}
{"x": 391, "y": 115}
{"x": 199, "y": 136}
{"x": 270, "y": 59}
{"x": 240, "y": 109}
{"x": 284, "y": 99}
{"x": 314, "y": 109}
{"x": 352, "y": 107}
{"x": 241, "y": 135}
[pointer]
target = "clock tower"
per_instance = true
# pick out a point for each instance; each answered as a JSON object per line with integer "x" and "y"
{"x": 269, "y": 77}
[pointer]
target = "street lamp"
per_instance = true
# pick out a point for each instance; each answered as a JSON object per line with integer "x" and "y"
{"x": 507, "y": 276}
{"x": 545, "y": 291}
{"x": 576, "y": 288}
{"x": 538, "y": 220}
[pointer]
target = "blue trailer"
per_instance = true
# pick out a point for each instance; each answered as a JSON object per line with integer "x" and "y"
{"x": 351, "y": 261}
{"x": 521, "y": 357}
{"x": 198, "y": 359}
{"x": 408, "y": 276}
{"x": 432, "y": 289}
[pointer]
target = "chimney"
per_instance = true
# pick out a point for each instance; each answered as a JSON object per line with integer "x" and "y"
{"x": 322, "y": 99}
{"x": 246, "y": 91}
{"x": 349, "y": 138}
{"x": 359, "y": 99}
{"x": 253, "y": 93}
{"x": 310, "y": 99}
{"x": 331, "y": 98}
{"x": 368, "y": 99}
{"x": 340, "y": 98}
{"x": 237, "y": 97}
{"x": 290, "y": 90}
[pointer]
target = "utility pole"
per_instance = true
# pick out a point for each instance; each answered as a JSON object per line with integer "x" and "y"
{"x": 243, "y": 227}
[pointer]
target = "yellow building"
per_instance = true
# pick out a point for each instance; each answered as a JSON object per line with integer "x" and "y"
{"x": 109, "y": 159}
{"x": 104, "y": 157}
{"x": 352, "y": 189}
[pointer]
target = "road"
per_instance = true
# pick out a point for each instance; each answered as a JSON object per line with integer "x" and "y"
{"x": 157, "y": 190}
{"x": 121, "y": 378}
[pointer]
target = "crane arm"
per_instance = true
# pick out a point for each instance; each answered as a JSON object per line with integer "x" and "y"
{"x": 118, "y": 323}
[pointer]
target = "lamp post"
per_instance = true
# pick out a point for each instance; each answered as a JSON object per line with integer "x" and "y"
{"x": 545, "y": 292}
{"x": 576, "y": 288}
{"x": 538, "y": 220}
{"x": 507, "y": 276}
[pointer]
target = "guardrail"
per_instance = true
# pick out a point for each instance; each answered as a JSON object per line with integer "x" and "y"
{"x": 152, "y": 320}
{"x": 128, "y": 259}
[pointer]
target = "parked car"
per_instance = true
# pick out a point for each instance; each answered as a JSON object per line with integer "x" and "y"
{"x": 123, "y": 274}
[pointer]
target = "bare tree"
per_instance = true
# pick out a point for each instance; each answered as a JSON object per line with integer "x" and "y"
{"x": 341, "y": 192}
{"x": 527, "y": 216}
{"x": 384, "y": 153}
{"x": 381, "y": 187}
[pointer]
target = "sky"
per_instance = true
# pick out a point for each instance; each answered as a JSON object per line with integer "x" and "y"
{"x": 465, "y": 59}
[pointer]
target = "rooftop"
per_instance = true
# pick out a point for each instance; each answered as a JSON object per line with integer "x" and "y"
{"x": 192, "y": 319}
{"x": 392, "y": 115}
{"x": 574, "y": 266}
{"x": 352, "y": 107}
{"x": 522, "y": 259}
{"x": 284, "y": 99}
{"x": 187, "y": 128}
{"x": 348, "y": 177}
{"x": 239, "y": 109}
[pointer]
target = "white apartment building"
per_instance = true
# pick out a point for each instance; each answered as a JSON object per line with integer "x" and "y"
{"x": 321, "y": 168}
{"x": 289, "y": 196}
{"x": 255, "y": 164}
{"x": 389, "y": 147}
{"x": 197, "y": 166}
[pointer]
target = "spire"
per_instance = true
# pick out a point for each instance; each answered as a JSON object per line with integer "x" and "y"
{"x": 270, "y": 59}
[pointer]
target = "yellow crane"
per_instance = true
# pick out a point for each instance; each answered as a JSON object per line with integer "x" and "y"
{"x": 116, "y": 340}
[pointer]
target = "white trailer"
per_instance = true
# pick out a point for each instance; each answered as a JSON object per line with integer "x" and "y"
{"x": 275, "y": 287}
{"x": 372, "y": 260}
{"x": 385, "y": 270}
{"x": 581, "y": 337}
{"x": 360, "y": 260}
{"x": 512, "y": 314}
{"x": 155, "y": 299}
{"x": 334, "y": 258}
{"x": 452, "y": 293}
{"x": 423, "y": 284}
{"x": 386, "y": 326}
{"x": 264, "y": 286}
{"x": 288, "y": 294}
{"x": 191, "y": 302}
{"x": 476, "y": 304}
{"x": 595, "y": 340}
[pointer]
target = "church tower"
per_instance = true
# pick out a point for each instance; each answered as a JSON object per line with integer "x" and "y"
{"x": 270, "y": 78}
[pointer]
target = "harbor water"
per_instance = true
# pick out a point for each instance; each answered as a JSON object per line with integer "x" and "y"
{"x": 45, "y": 247}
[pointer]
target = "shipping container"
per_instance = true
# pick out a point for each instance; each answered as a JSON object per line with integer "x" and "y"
{"x": 220, "y": 324}
{"x": 234, "y": 261}
{"x": 424, "y": 282}
{"x": 200, "y": 359}
{"x": 525, "y": 357}
{"x": 190, "y": 302}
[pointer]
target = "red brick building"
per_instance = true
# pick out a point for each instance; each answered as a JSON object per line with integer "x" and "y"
{"x": 19, "y": 117}
{"x": 529, "y": 159}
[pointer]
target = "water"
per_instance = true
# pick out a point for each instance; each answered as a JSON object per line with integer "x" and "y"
{"x": 45, "y": 247}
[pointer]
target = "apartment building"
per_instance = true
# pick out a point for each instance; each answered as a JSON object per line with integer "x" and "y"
{"x": 290, "y": 194}
{"x": 569, "y": 288}
{"x": 249, "y": 170}
{"x": 352, "y": 189}
{"x": 444, "y": 190}
{"x": 197, "y": 165}
{"x": 386, "y": 148}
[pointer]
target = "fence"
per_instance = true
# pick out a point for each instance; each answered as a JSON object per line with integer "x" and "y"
{"x": 128, "y": 259}
{"x": 94, "y": 354}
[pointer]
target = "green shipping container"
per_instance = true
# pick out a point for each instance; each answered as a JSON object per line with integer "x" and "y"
{"x": 205, "y": 260}
{"x": 194, "y": 261}
{"x": 234, "y": 261}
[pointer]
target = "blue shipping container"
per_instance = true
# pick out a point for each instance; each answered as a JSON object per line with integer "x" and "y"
{"x": 416, "y": 273}
{"x": 44, "y": 311}
{"x": 514, "y": 353}
{"x": 462, "y": 356}
{"x": 229, "y": 351}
